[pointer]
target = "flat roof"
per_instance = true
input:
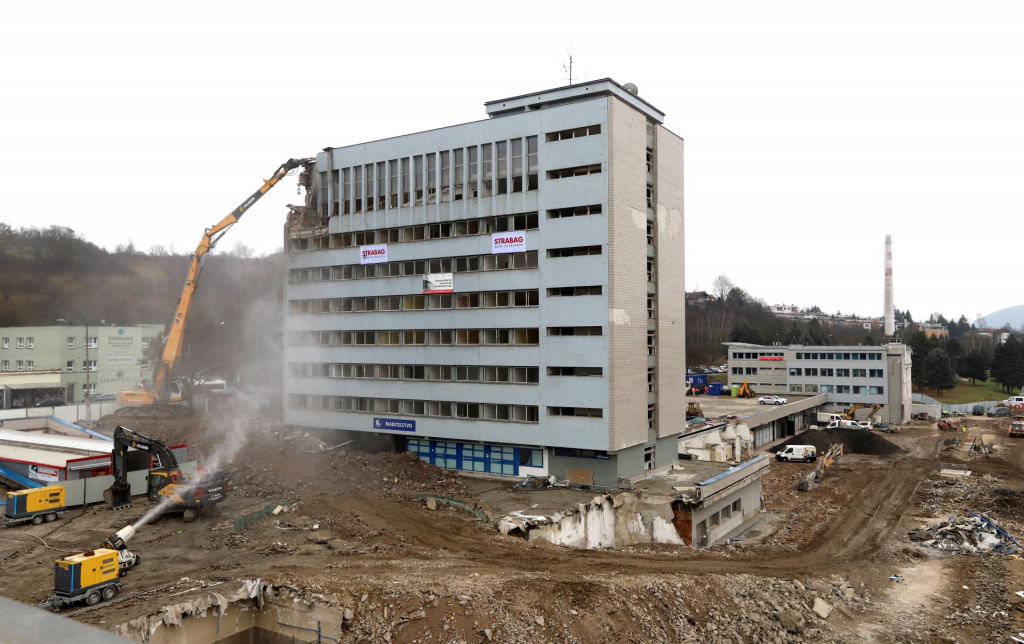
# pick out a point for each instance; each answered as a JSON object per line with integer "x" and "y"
{"x": 40, "y": 456}
{"x": 569, "y": 94}
{"x": 10, "y": 438}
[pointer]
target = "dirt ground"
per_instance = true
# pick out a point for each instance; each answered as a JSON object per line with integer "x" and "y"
{"x": 358, "y": 537}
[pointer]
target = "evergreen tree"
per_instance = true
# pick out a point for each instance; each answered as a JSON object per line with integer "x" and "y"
{"x": 938, "y": 372}
{"x": 745, "y": 332}
{"x": 976, "y": 365}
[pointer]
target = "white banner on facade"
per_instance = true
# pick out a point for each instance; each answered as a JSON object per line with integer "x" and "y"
{"x": 121, "y": 360}
{"x": 513, "y": 242}
{"x": 438, "y": 283}
{"x": 41, "y": 473}
{"x": 374, "y": 254}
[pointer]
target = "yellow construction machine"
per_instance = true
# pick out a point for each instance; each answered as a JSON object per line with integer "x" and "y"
{"x": 163, "y": 392}
{"x": 745, "y": 391}
{"x": 848, "y": 414}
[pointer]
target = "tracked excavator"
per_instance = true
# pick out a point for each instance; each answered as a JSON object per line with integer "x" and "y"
{"x": 166, "y": 483}
{"x": 164, "y": 395}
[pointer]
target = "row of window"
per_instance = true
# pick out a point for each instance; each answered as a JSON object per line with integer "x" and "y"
{"x": 415, "y": 267}
{"x": 814, "y": 372}
{"x": 69, "y": 366}
{"x": 576, "y": 211}
{"x": 836, "y": 389}
{"x": 424, "y": 372}
{"x": 420, "y": 232}
{"x": 435, "y": 177}
{"x": 21, "y": 343}
{"x": 717, "y": 518}
{"x": 838, "y": 373}
{"x": 417, "y": 302}
{"x": 438, "y": 337}
{"x": 755, "y": 355}
{"x": 29, "y": 342}
{"x": 406, "y": 407}
{"x": 574, "y": 171}
{"x": 838, "y": 356}
{"x": 573, "y": 133}
{"x": 583, "y": 412}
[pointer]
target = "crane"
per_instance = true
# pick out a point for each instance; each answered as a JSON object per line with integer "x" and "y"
{"x": 163, "y": 389}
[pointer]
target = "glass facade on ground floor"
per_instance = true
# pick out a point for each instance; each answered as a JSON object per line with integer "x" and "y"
{"x": 476, "y": 457}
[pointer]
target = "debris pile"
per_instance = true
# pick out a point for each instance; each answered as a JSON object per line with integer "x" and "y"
{"x": 966, "y": 534}
{"x": 854, "y": 441}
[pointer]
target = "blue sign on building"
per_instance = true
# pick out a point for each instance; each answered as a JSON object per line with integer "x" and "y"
{"x": 395, "y": 424}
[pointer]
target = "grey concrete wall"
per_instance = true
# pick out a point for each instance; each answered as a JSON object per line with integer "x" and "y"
{"x": 627, "y": 275}
{"x": 606, "y": 473}
{"x": 671, "y": 285}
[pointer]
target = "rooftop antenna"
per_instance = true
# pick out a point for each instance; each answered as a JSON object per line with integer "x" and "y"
{"x": 568, "y": 66}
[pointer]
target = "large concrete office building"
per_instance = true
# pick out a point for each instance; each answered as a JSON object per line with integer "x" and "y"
{"x": 501, "y": 296}
{"x": 865, "y": 375}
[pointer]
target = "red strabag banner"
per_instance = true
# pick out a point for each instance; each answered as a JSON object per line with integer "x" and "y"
{"x": 375, "y": 254}
{"x": 513, "y": 242}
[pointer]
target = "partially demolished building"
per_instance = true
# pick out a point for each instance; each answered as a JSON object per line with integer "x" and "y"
{"x": 501, "y": 296}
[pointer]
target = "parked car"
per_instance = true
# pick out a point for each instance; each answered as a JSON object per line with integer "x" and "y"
{"x": 1013, "y": 401}
{"x": 864, "y": 424}
{"x": 771, "y": 400}
{"x": 978, "y": 410}
{"x": 998, "y": 412}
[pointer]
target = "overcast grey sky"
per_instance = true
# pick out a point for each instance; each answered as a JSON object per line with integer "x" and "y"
{"x": 812, "y": 128}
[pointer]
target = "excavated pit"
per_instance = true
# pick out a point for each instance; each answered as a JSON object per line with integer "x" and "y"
{"x": 253, "y": 612}
{"x": 855, "y": 441}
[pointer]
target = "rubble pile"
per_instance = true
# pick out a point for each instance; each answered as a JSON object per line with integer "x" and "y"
{"x": 966, "y": 534}
{"x": 728, "y": 608}
{"x": 854, "y": 441}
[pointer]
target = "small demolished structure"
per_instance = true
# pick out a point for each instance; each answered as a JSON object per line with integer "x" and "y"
{"x": 966, "y": 535}
{"x": 696, "y": 503}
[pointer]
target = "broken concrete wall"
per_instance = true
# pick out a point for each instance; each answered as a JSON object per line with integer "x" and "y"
{"x": 607, "y": 521}
{"x": 222, "y": 614}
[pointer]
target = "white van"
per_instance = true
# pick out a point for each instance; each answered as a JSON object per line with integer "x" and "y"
{"x": 843, "y": 424}
{"x": 806, "y": 453}
{"x": 1013, "y": 401}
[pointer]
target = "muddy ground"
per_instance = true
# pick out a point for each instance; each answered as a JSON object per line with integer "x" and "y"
{"x": 358, "y": 537}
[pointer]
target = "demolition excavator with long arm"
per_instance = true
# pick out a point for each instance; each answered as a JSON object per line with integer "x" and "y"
{"x": 164, "y": 390}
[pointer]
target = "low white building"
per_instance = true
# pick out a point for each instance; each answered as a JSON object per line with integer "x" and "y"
{"x": 847, "y": 375}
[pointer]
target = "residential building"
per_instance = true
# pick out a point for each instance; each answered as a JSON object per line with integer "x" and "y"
{"x": 847, "y": 375}
{"x": 90, "y": 359}
{"x": 502, "y": 296}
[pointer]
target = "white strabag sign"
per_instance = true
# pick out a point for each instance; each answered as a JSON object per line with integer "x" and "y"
{"x": 373, "y": 254}
{"x": 512, "y": 242}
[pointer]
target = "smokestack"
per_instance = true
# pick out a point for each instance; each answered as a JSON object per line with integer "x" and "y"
{"x": 890, "y": 311}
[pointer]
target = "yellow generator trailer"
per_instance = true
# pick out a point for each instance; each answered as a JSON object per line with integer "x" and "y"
{"x": 35, "y": 505}
{"x": 87, "y": 576}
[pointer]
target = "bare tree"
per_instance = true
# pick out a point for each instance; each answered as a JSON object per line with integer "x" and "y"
{"x": 127, "y": 248}
{"x": 243, "y": 251}
{"x": 721, "y": 286}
